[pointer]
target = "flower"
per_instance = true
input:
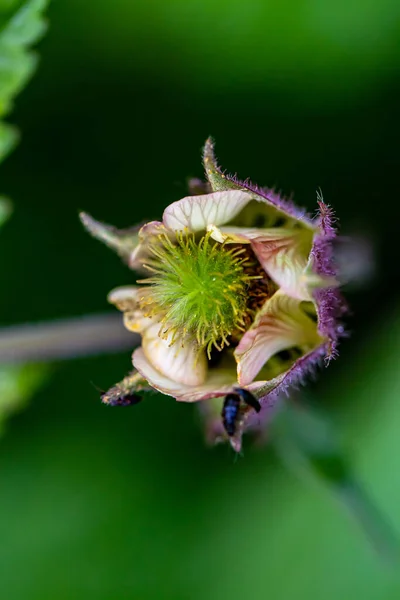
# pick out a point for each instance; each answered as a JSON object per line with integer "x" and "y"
{"x": 237, "y": 296}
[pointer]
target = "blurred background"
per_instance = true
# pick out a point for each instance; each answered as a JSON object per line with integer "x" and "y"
{"x": 111, "y": 504}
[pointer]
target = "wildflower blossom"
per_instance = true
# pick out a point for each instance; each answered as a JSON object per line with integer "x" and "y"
{"x": 237, "y": 292}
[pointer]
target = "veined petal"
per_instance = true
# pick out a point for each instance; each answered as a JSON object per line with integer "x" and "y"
{"x": 216, "y": 383}
{"x": 176, "y": 358}
{"x": 281, "y": 324}
{"x": 196, "y": 213}
{"x": 284, "y": 254}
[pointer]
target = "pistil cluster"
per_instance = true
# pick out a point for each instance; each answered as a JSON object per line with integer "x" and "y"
{"x": 199, "y": 288}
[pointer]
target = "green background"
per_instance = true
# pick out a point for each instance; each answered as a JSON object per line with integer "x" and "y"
{"x": 107, "y": 504}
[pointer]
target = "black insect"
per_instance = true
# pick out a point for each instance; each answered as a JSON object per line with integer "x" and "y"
{"x": 248, "y": 398}
{"x": 230, "y": 412}
{"x": 120, "y": 399}
{"x": 231, "y": 408}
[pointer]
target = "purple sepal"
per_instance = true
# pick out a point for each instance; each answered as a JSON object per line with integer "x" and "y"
{"x": 331, "y": 305}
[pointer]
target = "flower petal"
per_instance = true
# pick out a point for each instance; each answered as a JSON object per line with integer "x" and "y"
{"x": 178, "y": 359}
{"x": 281, "y": 324}
{"x": 196, "y": 213}
{"x": 284, "y": 254}
{"x": 217, "y": 383}
{"x": 135, "y": 321}
{"x": 126, "y": 299}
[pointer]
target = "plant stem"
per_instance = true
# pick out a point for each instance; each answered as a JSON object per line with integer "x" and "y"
{"x": 65, "y": 339}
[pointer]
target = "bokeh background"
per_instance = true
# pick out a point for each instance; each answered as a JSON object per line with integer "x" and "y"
{"x": 109, "y": 504}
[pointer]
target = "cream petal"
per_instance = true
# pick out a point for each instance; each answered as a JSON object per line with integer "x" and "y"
{"x": 217, "y": 383}
{"x": 289, "y": 263}
{"x": 196, "y": 213}
{"x": 284, "y": 256}
{"x": 181, "y": 360}
{"x": 280, "y": 324}
{"x": 283, "y": 253}
{"x": 125, "y": 297}
{"x": 135, "y": 321}
{"x": 130, "y": 297}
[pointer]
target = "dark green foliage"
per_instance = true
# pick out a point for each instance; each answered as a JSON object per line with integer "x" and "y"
{"x": 19, "y": 29}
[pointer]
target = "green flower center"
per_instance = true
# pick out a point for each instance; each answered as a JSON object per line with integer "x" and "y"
{"x": 199, "y": 288}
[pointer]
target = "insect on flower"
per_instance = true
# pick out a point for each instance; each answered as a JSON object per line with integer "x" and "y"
{"x": 236, "y": 300}
{"x": 231, "y": 408}
{"x": 125, "y": 400}
{"x": 122, "y": 394}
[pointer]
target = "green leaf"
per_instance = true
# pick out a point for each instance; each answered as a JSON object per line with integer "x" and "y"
{"x": 9, "y": 137}
{"x": 26, "y": 26}
{"x": 16, "y": 68}
{"x": 18, "y": 383}
{"x": 18, "y": 31}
